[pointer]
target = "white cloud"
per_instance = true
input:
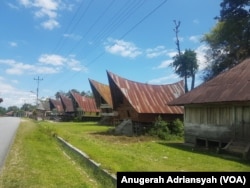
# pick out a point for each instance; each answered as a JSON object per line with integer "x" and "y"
{"x": 50, "y": 64}
{"x": 52, "y": 59}
{"x": 157, "y": 51}
{"x": 12, "y": 6}
{"x": 46, "y": 4}
{"x": 12, "y": 96}
{"x": 60, "y": 61}
{"x": 13, "y": 44}
{"x": 47, "y": 9}
{"x": 122, "y": 48}
{"x": 164, "y": 64}
{"x": 26, "y": 3}
{"x": 47, "y": 70}
{"x": 50, "y": 24}
{"x": 75, "y": 65}
{"x": 72, "y": 36}
{"x": 165, "y": 80}
{"x": 195, "y": 38}
{"x": 201, "y": 56}
{"x": 15, "y": 81}
{"x": 181, "y": 39}
{"x": 17, "y": 68}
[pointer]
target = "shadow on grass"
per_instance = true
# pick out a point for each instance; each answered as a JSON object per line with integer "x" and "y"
{"x": 213, "y": 152}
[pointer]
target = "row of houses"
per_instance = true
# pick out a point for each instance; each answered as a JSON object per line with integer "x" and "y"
{"x": 67, "y": 108}
{"x": 134, "y": 105}
{"x": 215, "y": 113}
{"x": 120, "y": 100}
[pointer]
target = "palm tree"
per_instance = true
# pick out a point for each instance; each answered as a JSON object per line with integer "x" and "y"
{"x": 185, "y": 64}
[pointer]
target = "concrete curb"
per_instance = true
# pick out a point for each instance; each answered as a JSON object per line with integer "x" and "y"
{"x": 86, "y": 157}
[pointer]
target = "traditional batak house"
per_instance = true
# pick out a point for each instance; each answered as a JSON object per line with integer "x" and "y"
{"x": 217, "y": 113}
{"x": 56, "y": 109}
{"x": 68, "y": 108}
{"x": 103, "y": 101}
{"x": 85, "y": 107}
{"x": 143, "y": 103}
{"x": 43, "y": 110}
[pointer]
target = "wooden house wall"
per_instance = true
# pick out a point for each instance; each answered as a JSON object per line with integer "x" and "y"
{"x": 81, "y": 113}
{"x": 126, "y": 111}
{"x": 219, "y": 123}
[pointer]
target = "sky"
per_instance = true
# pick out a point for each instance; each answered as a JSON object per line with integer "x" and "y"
{"x": 58, "y": 45}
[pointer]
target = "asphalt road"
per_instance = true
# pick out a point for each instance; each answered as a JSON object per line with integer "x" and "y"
{"x": 8, "y": 127}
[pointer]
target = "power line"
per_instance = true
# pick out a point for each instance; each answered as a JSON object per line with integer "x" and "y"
{"x": 131, "y": 29}
{"x": 38, "y": 79}
{"x": 71, "y": 27}
{"x": 144, "y": 18}
{"x": 120, "y": 17}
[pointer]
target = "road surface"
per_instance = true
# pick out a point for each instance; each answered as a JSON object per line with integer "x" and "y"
{"x": 8, "y": 127}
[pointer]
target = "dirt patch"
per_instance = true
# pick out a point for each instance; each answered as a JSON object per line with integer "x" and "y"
{"x": 108, "y": 137}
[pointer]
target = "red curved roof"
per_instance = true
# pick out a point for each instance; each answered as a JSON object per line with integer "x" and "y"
{"x": 102, "y": 90}
{"x": 145, "y": 98}
{"x": 87, "y": 104}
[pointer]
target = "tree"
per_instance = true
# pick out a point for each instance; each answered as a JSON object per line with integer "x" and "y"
{"x": 83, "y": 93}
{"x": 13, "y": 108}
{"x": 2, "y": 110}
{"x": 229, "y": 40}
{"x": 74, "y": 91}
{"x": 28, "y": 107}
{"x": 185, "y": 64}
{"x": 57, "y": 95}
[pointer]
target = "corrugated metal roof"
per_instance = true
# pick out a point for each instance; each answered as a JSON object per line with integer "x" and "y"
{"x": 87, "y": 104}
{"x": 67, "y": 103}
{"x": 146, "y": 98}
{"x": 56, "y": 104}
{"x": 230, "y": 86}
{"x": 101, "y": 90}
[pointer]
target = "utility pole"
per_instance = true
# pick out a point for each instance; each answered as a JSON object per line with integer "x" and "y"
{"x": 37, "y": 90}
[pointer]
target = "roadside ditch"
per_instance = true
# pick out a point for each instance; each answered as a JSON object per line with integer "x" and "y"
{"x": 102, "y": 175}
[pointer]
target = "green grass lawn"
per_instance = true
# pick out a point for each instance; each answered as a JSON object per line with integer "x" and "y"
{"x": 37, "y": 160}
{"x": 121, "y": 153}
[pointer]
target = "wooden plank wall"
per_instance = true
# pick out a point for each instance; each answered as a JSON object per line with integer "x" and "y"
{"x": 218, "y": 122}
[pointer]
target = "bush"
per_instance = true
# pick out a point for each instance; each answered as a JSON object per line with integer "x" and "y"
{"x": 166, "y": 131}
{"x": 177, "y": 127}
{"x": 160, "y": 129}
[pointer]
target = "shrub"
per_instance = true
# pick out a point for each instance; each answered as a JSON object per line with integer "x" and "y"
{"x": 177, "y": 127}
{"x": 160, "y": 129}
{"x": 165, "y": 130}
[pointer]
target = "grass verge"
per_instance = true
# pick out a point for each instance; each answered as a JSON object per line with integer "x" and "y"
{"x": 36, "y": 160}
{"x": 121, "y": 153}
